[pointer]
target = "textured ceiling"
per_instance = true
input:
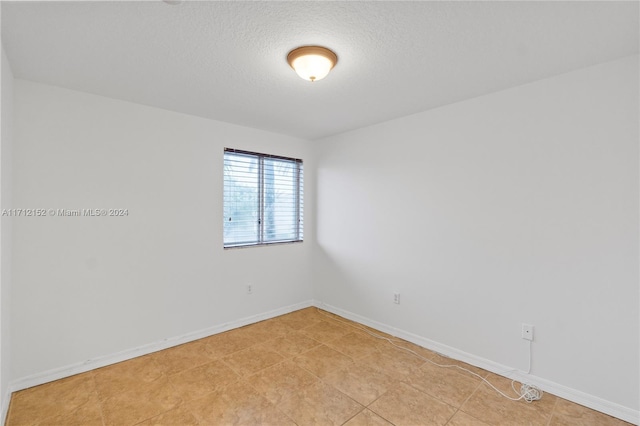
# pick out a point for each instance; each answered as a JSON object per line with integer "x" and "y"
{"x": 227, "y": 60}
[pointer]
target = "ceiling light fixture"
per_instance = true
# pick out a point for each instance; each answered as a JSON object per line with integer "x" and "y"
{"x": 312, "y": 63}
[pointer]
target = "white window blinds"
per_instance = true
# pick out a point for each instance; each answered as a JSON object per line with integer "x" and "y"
{"x": 263, "y": 198}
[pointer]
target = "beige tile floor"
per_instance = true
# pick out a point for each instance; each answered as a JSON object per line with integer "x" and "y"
{"x": 308, "y": 367}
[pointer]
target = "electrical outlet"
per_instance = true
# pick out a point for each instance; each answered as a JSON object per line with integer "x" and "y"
{"x": 527, "y": 331}
{"x": 396, "y": 298}
{"x": 249, "y": 288}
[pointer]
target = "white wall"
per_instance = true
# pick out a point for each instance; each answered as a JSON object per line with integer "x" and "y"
{"x": 88, "y": 287}
{"x": 6, "y": 124}
{"x": 519, "y": 206}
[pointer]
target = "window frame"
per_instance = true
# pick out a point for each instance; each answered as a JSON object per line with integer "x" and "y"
{"x": 298, "y": 202}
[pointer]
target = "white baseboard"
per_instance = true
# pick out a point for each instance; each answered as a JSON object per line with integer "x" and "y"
{"x": 599, "y": 404}
{"x": 102, "y": 361}
{"x": 579, "y": 397}
{"x": 611, "y": 408}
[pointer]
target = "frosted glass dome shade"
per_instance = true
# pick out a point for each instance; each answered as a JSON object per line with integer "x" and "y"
{"x": 312, "y": 63}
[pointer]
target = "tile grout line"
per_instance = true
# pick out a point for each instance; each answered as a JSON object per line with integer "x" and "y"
{"x": 162, "y": 375}
{"x": 170, "y": 382}
{"x": 553, "y": 411}
{"x": 95, "y": 383}
{"x": 347, "y": 396}
{"x": 321, "y": 380}
{"x": 350, "y": 418}
{"x": 269, "y": 402}
{"x": 459, "y": 409}
{"x": 240, "y": 378}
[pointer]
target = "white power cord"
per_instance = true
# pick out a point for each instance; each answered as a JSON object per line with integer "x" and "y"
{"x": 528, "y": 393}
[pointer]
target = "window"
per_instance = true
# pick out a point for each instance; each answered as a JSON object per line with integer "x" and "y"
{"x": 263, "y": 199}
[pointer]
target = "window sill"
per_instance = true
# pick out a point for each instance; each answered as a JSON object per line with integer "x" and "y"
{"x": 275, "y": 243}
